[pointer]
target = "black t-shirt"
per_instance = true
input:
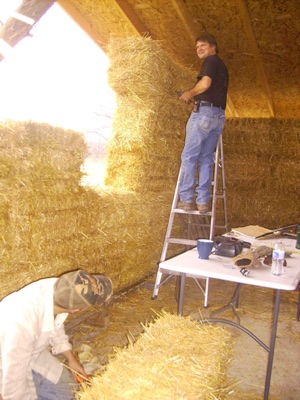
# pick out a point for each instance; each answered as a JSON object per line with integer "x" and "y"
{"x": 214, "y": 67}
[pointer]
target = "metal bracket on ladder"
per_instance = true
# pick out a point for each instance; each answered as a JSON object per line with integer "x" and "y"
{"x": 195, "y": 228}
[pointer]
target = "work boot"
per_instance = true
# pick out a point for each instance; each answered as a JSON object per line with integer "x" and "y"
{"x": 202, "y": 208}
{"x": 186, "y": 206}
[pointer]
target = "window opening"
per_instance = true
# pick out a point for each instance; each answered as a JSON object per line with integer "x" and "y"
{"x": 58, "y": 75}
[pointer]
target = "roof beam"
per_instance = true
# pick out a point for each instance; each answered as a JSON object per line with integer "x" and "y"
{"x": 230, "y": 107}
{"x": 255, "y": 51}
{"x": 13, "y": 30}
{"x": 132, "y": 17}
{"x": 193, "y": 33}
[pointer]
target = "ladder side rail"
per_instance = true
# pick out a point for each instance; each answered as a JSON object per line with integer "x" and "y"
{"x": 214, "y": 194}
{"x": 176, "y": 194}
{"x": 224, "y": 187}
{"x": 218, "y": 163}
{"x": 171, "y": 220}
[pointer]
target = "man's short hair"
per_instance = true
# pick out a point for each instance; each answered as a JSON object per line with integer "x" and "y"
{"x": 208, "y": 38}
{"x": 78, "y": 290}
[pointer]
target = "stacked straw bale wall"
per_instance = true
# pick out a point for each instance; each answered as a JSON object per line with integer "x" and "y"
{"x": 149, "y": 121}
{"x": 262, "y": 171}
{"x": 50, "y": 224}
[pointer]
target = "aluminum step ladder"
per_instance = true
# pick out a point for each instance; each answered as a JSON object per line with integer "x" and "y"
{"x": 191, "y": 225}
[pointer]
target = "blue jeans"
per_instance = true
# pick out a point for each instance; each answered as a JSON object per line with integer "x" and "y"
{"x": 63, "y": 390}
{"x": 202, "y": 132}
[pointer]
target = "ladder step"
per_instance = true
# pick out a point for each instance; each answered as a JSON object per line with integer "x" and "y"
{"x": 194, "y": 212}
{"x": 187, "y": 242}
{"x": 207, "y": 225}
{"x": 221, "y": 226}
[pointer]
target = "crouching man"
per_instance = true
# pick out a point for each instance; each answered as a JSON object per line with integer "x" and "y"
{"x": 31, "y": 322}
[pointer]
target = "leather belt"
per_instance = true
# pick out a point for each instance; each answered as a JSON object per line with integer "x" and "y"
{"x": 208, "y": 104}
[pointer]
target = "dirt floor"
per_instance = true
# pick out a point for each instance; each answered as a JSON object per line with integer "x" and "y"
{"x": 108, "y": 328}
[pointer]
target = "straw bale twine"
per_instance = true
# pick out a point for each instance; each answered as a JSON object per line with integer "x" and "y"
{"x": 174, "y": 358}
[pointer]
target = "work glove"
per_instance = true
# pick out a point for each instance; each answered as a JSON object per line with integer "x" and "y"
{"x": 251, "y": 258}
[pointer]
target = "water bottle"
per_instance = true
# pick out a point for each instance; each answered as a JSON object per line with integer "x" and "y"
{"x": 278, "y": 259}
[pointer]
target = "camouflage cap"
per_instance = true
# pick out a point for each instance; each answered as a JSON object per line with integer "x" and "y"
{"x": 78, "y": 289}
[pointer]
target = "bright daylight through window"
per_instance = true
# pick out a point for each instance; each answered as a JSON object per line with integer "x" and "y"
{"x": 58, "y": 75}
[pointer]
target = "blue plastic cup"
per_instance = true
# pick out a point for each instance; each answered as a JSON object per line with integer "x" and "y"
{"x": 204, "y": 247}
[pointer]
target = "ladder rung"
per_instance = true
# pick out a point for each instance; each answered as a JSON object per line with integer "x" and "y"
{"x": 194, "y": 212}
{"x": 206, "y": 225}
{"x": 188, "y": 242}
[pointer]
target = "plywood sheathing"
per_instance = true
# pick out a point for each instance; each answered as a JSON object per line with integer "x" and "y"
{"x": 104, "y": 17}
{"x": 277, "y": 27}
{"x": 276, "y": 31}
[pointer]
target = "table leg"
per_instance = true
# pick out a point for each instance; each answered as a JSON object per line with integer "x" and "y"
{"x": 181, "y": 294}
{"x": 232, "y": 303}
{"x": 157, "y": 284}
{"x": 272, "y": 345}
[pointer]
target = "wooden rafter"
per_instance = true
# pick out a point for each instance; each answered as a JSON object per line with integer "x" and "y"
{"x": 193, "y": 32}
{"x": 14, "y": 30}
{"x": 256, "y": 55}
{"x": 230, "y": 107}
{"x": 135, "y": 21}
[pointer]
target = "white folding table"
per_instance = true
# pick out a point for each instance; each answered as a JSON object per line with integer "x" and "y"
{"x": 188, "y": 264}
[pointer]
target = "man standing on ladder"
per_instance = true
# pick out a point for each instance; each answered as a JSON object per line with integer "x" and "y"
{"x": 204, "y": 126}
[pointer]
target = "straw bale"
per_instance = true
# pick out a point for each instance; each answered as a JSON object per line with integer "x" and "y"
{"x": 150, "y": 139}
{"x": 174, "y": 358}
